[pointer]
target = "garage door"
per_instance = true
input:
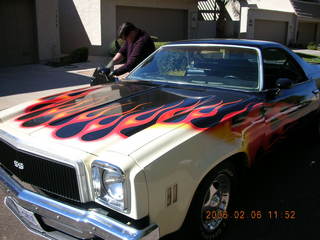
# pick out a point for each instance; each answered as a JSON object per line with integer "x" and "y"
{"x": 307, "y": 33}
{"x": 166, "y": 24}
{"x": 17, "y": 32}
{"x": 271, "y": 31}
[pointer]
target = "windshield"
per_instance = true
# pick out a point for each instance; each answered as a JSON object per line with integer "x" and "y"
{"x": 221, "y": 66}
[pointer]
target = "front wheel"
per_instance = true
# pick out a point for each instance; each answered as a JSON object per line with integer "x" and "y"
{"x": 314, "y": 128}
{"x": 318, "y": 126}
{"x": 208, "y": 213}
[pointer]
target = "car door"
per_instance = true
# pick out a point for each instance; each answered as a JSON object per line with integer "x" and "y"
{"x": 285, "y": 107}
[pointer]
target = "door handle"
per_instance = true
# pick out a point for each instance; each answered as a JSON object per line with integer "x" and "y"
{"x": 316, "y": 91}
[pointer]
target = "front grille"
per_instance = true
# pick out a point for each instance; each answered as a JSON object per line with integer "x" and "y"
{"x": 50, "y": 176}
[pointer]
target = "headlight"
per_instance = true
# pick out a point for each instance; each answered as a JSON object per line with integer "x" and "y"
{"x": 113, "y": 182}
{"x": 110, "y": 186}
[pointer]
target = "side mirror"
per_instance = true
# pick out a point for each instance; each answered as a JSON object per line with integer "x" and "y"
{"x": 281, "y": 83}
{"x": 284, "y": 83}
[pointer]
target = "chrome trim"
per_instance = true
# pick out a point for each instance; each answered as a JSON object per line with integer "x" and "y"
{"x": 261, "y": 72}
{"x": 127, "y": 189}
{"x": 317, "y": 91}
{"x": 141, "y": 63}
{"x": 28, "y": 147}
{"x": 86, "y": 223}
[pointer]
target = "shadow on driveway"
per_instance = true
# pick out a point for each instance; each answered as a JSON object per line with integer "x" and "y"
{"x": 36, "y": 77}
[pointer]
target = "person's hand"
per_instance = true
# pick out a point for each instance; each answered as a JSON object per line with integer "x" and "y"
{"x": 100, "y": 76}
{"x": 111, "y": 76}
{"x": 106, "y": 71}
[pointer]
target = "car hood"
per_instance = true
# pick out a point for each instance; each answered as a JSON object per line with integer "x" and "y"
{"x": 128, "y": 115}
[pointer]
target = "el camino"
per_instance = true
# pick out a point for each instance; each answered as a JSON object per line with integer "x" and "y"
{"x": 154, "y": 153}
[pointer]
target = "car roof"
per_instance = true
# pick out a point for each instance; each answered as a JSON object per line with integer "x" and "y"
{"x": 240, "y": 42}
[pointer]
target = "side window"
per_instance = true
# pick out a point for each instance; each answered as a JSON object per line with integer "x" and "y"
{"x": 277, "y": 63}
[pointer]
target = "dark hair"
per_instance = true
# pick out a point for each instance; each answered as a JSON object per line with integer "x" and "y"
{"x": 125, "y": 29}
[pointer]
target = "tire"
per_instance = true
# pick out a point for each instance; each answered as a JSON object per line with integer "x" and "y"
{"x": 205, "y": 220}
{"x": 318, "y": 127}
{"x": 313, "y": 127}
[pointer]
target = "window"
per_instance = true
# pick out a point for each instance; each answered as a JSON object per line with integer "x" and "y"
{"x": 218, "y": 66}
{"x": 277, "y": 64}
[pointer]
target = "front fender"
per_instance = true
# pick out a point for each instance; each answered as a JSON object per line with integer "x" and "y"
{"x": 182, "y": 158}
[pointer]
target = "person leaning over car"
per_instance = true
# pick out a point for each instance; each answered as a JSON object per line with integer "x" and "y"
{"x": 138, "y": 45}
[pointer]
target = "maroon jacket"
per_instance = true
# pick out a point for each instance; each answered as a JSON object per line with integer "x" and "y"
{"x": 135, "y": 52}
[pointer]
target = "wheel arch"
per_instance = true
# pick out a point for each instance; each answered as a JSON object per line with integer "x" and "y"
{"x": 240, "y": 162}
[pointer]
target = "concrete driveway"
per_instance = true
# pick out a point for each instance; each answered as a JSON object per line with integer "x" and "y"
{"x": 23, "y": 83}
{"x": 308, "y": 51}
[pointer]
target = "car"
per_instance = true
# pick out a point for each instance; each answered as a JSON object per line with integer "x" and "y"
{"x": 159, "y": 152}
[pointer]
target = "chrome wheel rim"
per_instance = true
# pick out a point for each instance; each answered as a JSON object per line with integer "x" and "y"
{"x": 216, "y": 202}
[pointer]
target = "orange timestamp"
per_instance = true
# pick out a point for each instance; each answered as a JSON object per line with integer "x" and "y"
{"x": 253, "y": 214}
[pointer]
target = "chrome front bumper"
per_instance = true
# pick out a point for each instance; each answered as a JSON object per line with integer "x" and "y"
{"x": 83, "y": 224}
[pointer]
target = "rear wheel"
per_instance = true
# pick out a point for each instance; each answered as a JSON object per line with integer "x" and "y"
{"x": 208, "y": 214}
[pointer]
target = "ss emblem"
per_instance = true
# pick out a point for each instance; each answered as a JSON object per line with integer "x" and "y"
{"x": 18, "y": 164}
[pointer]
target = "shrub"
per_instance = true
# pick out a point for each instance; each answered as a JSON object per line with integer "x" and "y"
{"x": 159, "y": 44}
{"x": 114, "y": 47}
{"x": 79, "y": 55}
{"x": 312, "y": 46}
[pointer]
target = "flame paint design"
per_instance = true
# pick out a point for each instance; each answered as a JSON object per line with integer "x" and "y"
{"x": 56, "y": 107}
{"x": 71, "y": 115}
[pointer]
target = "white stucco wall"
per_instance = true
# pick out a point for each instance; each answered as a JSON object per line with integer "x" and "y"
{"x": 93, "y": 23}
{"x": 80, "y": 24}
{"x": 109, "y": 14}
{"x": 276, "y": 5}
{"x": 48, "y": 29}
{"x": 249, "y": 16}
{"x": 244, "y": 20}
{"x": 90, "y": 16}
